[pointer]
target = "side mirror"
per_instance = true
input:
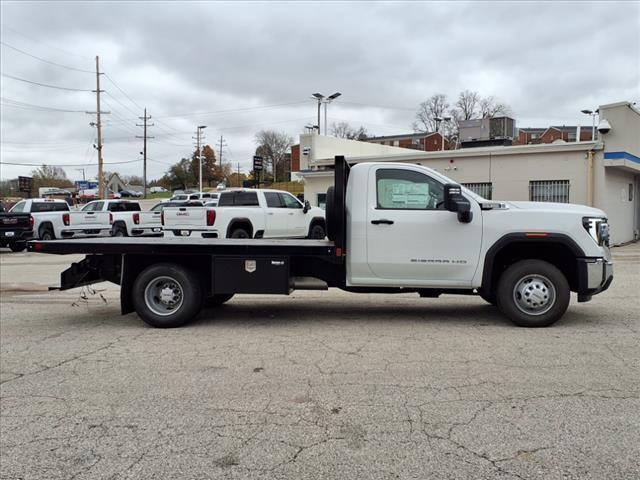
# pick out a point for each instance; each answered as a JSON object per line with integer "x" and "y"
{"x": 454, "y": 201}
{"x": 307, "y": 206}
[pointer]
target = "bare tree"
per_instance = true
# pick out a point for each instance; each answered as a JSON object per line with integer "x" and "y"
{"x": 467, "y": 105}
{"x": 344, "y": 130}
{"x": 274, "y": 147}
{"x": 490, "y": 107}
{"x": 436, "y": 106}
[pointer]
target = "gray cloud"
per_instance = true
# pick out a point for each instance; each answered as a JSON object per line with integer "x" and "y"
{"x": 547, "y": 60}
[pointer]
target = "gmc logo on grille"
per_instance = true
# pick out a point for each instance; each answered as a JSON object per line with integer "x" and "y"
{"x": 9, "y": 221}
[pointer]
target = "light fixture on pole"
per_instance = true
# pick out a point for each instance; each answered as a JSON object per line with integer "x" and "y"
{"x": 593, "y": 127}
{"x": 199, "y": 133}
{"x": 321, "y": 99}
{"x": 329, "y": 99}
{"x": 439, "y": 120}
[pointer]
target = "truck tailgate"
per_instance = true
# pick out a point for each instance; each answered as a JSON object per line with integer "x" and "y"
{"x": 149, "y": 219}
{"x": 185, "y": 218}
{"x": 89, "y": 220}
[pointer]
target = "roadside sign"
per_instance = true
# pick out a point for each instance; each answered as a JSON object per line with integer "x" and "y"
{"x": 257, "y": 163}
{"x": 25, "y": 184}
{"x": 85, "y": 185}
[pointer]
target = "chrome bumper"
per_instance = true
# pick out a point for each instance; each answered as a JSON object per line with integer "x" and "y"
{"x": 594, "y": 276}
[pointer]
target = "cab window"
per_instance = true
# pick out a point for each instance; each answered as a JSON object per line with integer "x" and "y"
{"x": 89, "y": 207}
{"x": 273, "y": 200}
{"x": 407, "y": 190}
{"x": 290, "y": 201}
{"x": 18, "y": 207}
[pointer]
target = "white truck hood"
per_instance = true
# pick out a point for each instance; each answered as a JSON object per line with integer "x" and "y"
{"x": 558, "y": 207}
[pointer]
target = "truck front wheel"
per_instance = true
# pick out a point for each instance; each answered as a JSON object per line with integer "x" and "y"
{"x": 167, "y": 295}
{"x": 533, "y": 293}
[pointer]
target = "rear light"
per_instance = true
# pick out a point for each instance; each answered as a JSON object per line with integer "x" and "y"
{"x": 110, "y": 218}
{"x": 211, "y": 217}
{"x": 31, "y": 221}
{"x": 65, "y": 219}
{"x": 162, "y": 217}
{"x": 136, "y": 218}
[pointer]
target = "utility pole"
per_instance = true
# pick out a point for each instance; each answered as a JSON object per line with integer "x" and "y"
{"x": 145, "y": 118}
{"x": 198, "y": 138}
{"x": 221, "y": 144}
{"x": 99, "y": 127}
{"x": 239, "y": 175}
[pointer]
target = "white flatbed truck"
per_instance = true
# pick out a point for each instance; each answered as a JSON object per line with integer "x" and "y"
{"x": 392, "y": 228}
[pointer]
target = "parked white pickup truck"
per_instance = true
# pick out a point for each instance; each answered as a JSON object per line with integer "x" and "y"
{"x": 249, "y": 213}
{"x": 128, "y": 218}
{"x": 392, "y": 228}
{"x": 53, "y": 219}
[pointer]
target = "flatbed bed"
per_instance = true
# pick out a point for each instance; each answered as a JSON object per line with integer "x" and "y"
{"x": 185, "y": 245}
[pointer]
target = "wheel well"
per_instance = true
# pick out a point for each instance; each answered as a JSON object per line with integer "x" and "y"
{"x": 132, "y": 267}
{"x": 243, "y": 223}
{"x": 556, "y": 253}
{"x": 316, "y": 221}
{"x": 118, "y": 224}
{"x": 45, "y": 226}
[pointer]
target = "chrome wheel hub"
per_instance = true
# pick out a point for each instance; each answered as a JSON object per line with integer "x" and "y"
{"x": 163, "y": 295}
{"x": 534, "y": 294}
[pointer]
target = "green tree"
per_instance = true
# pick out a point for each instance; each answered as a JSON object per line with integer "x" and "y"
{"x": 209, "y": 172}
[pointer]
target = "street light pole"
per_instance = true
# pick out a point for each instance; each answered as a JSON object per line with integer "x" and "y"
{"x": 321, "y": 99}
{"x": 593, "y": 126}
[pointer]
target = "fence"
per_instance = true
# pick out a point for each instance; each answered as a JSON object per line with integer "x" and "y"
{"x": 484, "y": 189}
{"x": 556, "y": 191}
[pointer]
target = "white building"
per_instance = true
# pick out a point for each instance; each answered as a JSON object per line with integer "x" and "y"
{"x": 604, "y": 173}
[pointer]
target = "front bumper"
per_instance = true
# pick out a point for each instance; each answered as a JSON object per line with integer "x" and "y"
{"x": 594, "y": 276}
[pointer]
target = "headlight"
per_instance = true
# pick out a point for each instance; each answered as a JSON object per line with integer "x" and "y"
{"x": 598, "y": 228}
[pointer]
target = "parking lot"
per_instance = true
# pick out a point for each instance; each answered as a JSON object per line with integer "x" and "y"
{"x": 318, "y": 385}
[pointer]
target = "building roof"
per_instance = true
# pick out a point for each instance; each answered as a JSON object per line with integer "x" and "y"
{"x": 532, "y": 129}
{"x": 406, "y": 135}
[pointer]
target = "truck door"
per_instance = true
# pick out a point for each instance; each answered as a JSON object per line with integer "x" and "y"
{"x": 89, "y": 217}
{"x": 411, "y": 239}
{"x": 296, "y": 218}
{"x": 276, "y": 218}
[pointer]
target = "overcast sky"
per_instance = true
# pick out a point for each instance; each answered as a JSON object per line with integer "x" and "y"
{"x": 241, "y": 67}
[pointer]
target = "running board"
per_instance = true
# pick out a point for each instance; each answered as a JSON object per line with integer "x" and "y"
{"x": 308, "y": 283}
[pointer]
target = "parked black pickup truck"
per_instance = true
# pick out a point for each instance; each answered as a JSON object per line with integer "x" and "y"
{"x": 15, "y": 230}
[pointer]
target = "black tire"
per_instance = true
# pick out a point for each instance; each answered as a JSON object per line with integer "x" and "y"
{"x": 317, "y": 231}
{"x": 119, "y": 231}
{"x": 239, "y": 233}
{"x": 331, "y": 215}
{"x": 546, "y": 293}
{"x": 166, "y": 276}
{"x": 46, "y": 234}
{"x": 217, "y": 300}
{"x": 18, "y": 246}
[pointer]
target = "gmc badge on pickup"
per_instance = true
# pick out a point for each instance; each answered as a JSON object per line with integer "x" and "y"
{"x": 250, "y": 266}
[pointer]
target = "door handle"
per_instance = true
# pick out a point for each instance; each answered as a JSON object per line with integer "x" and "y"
{"x": 383, "y": 220}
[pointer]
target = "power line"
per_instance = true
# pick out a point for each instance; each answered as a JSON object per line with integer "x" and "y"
{"x": 122, "y": 91}
{"x": 45, "y": 61}
{"x": 46, "y": 85}
{"x": 65, "y": 165}
{"x": 33, "y": 106}
{"x": 33, "y": 39}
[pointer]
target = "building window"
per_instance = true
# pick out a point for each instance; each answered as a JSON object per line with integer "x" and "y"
{"x": 322, "y": 201}
{"x": 556, "y": 191}
{"x": 484, "y": 189}
{"x": 396, "y": 143}
{"x": 631, "y": 192}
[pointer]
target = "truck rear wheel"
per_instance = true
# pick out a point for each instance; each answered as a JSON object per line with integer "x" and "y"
{"x": 119, "y": 231}
{"x": 18, "y": 246}
{"x": 167, "y": 295}
{"x": 46, "y": 233}
{"x": 533, "y": 293}
{"x": 239, "y": 233}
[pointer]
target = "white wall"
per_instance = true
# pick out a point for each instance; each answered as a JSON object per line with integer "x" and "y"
{"x": 620, "y": 210}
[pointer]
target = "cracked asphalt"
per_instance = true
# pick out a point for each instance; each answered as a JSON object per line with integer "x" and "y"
{"x": 324, "y": 385}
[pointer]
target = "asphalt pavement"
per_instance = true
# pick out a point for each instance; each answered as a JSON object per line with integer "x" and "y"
{"x": 323, "y": 385}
